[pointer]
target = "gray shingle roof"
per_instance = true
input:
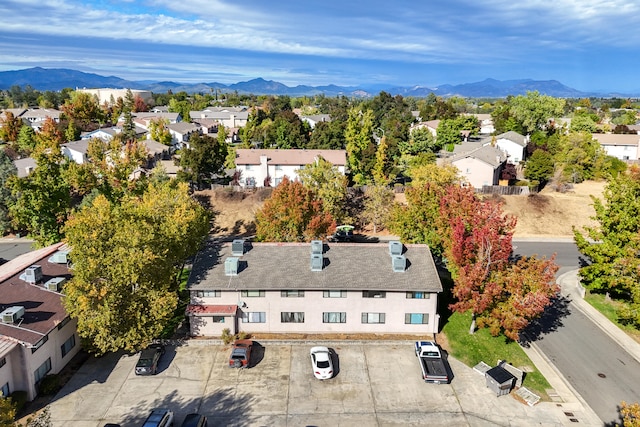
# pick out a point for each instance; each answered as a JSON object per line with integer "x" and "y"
{"x": 347, "y": 266}
{"x": 514, "y": 137}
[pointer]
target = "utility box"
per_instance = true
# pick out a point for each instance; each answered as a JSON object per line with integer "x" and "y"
{"x": 500, "y": 380}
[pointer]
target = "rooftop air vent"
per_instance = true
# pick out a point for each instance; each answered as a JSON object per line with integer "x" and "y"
{"x": 60, "y": 257}
{"x": 237, "y": 247}
{"x": 395, "y": 247}
{"x": 316, "y": 246}
{"x": 231, "y": 266}
{"x": 32, "y": 274}
{"x": 55, "y": 284}
{"x": 399, "y": 263}
{"x": 317, "y": 262}
{"x": 12, "y": 314}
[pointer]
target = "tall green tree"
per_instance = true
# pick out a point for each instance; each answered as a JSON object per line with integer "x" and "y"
{"x": 83, "y": 109}
{"x": 204, "y": 158}
{"x": 378, "y": 204}
{"x": 43, "y": 198}
{"x": 293, "y": 213}
{"x": 8, "y": 172}
{"x": 359, "y": 142}
{"x": 7, "y": 412}
{"x": 539, "y": 166}
{"x": 159, "y": 131}
{"x": 26, "y": 140}
{"x": 533, "y": 110}
{"x": 128, "y": 127}
{"x": 126, "y": 259}
{"x": 329, "y": 184}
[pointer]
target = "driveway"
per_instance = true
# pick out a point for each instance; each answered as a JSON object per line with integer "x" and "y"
{"x": 375, "y": 385}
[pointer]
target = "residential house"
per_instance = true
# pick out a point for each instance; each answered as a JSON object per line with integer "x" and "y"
{"x": 513, "y": 145}
{"x": 105, "y": 134}
{"x": 37, "y": 337}
{"x": 316, "y": 118}
{"x": 76, "y": 150}
{"x": 486, "y": 123}
{"x": 181, "y": 132}
{"x": 431, "y": 126}
{"x": 256, "y": 166}
{"x": 313, "y": 288}
{"x": 25, "y": 166}
{"x": 156, "y": 151}
{"x": 621, "y": 146}
{"x": 230, "y": 117}
{"x": 479, "y": 165}
{"x": 39, "y": 115}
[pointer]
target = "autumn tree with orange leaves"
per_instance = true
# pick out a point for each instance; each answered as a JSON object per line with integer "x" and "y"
{"x": 502, "y": 296}
{"x": 293, "y": 213}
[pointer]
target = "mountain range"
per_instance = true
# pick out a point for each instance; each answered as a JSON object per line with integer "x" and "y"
{"x": 55, "y": 79}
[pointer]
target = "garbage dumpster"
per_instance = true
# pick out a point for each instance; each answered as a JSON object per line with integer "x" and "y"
{"x": 500, "y": 380}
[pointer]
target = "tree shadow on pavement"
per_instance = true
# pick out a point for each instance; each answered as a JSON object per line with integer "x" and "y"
{"x": 550, "y": 321}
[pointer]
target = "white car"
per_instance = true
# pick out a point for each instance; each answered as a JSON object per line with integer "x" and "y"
{"x": 321, "y": 363}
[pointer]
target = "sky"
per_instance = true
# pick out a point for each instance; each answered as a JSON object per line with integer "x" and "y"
{"x": 589, "y": 45}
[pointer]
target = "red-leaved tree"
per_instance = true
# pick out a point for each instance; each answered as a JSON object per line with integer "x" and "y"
{"x": 501, "y": 295}
{"x": 293, "y": 213}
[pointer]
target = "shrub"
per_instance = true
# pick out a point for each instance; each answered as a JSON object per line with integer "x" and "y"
{"x": 243, "y": 335}
{"x": 50, "y": 384}
{"x": 19, "y": 398}
{"x": 226, "y": 336}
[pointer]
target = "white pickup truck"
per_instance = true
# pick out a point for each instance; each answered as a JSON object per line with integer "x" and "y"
{"x": 431, "y": 362}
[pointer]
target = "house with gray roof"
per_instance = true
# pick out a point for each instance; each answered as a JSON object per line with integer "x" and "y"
{"x": 37, "y": 337}
{"x": 76, "y": 151}
{"x": 478, "y": 164}
{"x": 25, "y": 166}
{"x": 621, "y": 146}
{"x": 315, "y": 119}
{"x": 314, "y": 288}
{"x": 513, "y": 145}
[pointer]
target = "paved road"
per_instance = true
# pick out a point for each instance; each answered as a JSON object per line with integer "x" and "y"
{"x": 601, "y": 371}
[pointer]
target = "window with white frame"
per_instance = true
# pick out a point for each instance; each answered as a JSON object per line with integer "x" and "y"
{"x": 208, "y": 294}
{"x": 334, "y": 317}
{"x": 334, "y": 294}
{"x": 68, "y": 345}
{"x": 42, "y": 370}
{"x": 5, "y": 390}
{"x": 292, "y": 317}
{"x": 373, "y": 317}
{"x": 254, "y": 317}
{"x": 416, "y": 318}
{"x": 418, "y": 295}
{"x": 374, "y": 294}
{"x": 278, "y": 167}
{"x": 217, "y": 319}
{"x": 248, "y": 167}
{"x": 252, "y": 293}
{"x": 292, "y": 294}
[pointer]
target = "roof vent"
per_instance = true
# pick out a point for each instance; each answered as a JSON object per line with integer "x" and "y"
{"x": 55, "y": 284}
{"x": 60, "y": 257}
{"x": 316, "y": 246}
{"x": 317, "y": 262}
{"x": 12, "y": 314}
{"x": 395, "y": 247}
{"x": 32, "y": 274}
{"x": 231, "y": 266}
{"x": 237, "y": 247}
{"x": 399, "y": 263}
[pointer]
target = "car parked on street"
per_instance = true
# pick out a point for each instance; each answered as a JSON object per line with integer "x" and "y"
{"x": 149, "y": 359}
{"x": 159, "y": 418}
{"x": 195, "y": 420}
{"x": 321, "y": 362}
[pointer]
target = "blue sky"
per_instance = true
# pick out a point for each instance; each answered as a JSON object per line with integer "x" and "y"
{"x": 590, "y": 45}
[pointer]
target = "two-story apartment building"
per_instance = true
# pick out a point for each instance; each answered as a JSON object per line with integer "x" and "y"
{"x": 37, "y": 337}
{"x": 256, "y": 165}
{"x": 314, "y": 288}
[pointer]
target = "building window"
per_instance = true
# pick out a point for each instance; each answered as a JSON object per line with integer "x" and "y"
{"x": 373, "y": 317}
{"x": 5, "y": 390}
{"x": 374, "y": 294}
{"x": 39, "y": 344}
{"x": 205, "y": 294}
{"x": 217, "y": 319}
{"x": 334, "y": 294}
{"x": 416, "y": 318}
{"x": 68, "y": 345}
{"x": 278, "y": 167}
{"x": 252, "y": 293}
{"x": 42, "y": 370}
{"x": 254, "y": 317}
{"x": 334, "y": 317}
{"x": 248, "y": 167}
{"x": 292, "y": 317}
{"x": 292, "y": 294}
{"x": 418, "y": 295}
{"x": 64, "y": 322}
{"x": 3, "y": 362}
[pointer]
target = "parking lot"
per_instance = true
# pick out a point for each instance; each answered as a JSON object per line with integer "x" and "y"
{"x": 375, "y": 384}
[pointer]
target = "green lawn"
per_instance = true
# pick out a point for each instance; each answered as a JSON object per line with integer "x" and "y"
{"x": 608, "y": 308}
{"x": 481, "y": 346}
